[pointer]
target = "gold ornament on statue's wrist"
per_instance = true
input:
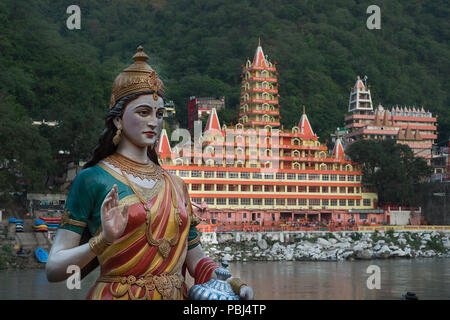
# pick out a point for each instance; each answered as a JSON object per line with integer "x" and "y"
{"x": 98, "y": 244}
{"x": 236, "y": 284}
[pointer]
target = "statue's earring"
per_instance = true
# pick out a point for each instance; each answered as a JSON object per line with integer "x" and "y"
{"x": 116, "y": 138}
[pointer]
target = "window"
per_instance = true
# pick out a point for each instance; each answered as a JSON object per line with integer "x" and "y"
{"x": 325, "y": 202}
{"x": 363, "y": 216}
{"x": 314, "y": 202}
{"x": 196, "y": 187}
{"x": 197, "y": 200}
{"x": 281, "y": 202}
{"x": 358, "y": 178}
{"x": 209, "y": 187}
{"x": 268, "y": 176}
{"x": 342, "y": 202}
{"x": 302, "y": 189}
{"x": 221, "y": 201}
{"x": 291, "y": 189}
{"x": 174, "y": 172}
{"x": 291, "y": 202}
{"x": 367, "y": 202}
{"x": 333, "y": 189}
{"x": 280, "y": 176}
{"x": 358, "y": 202}
{"x": 350, "y": 190}
{"x": 221, "y": 174}
{"x": 333, "y": 202}
{"x": 245, "y": 187}
{"x": 233, "y": 187}
{"x": 184, "y": 173}
{"x": 351, "y": 202}
{"x": 256, "y": 175}
{"x": 268, "y": 202}
{"x": 341, "y": 189}
{"x": 209, "y": 174}
{"x": 209, "y": 200}
{"x": 314, "y": 177}
{"x": 325, "y": 177}
{"x": 302, "y": 176}
{"x": 196, "y": 174}
{"x": 291, "y": 176}
{"x": 257, "y": 202}
{"x": 333, "y": 177}
{"x": 302, "y": 202}
{"x": 257, "y": 187}
{"x": 233, "y": 175}
{"x": 245, "y": 175}
{"x": 342, "y": 177}
{"x": 220, "y": 187}
{"x": 229, "y": 215}
{"x": 233, "y": 201}
{"x": 281, "y": 189}
{"x": 324, "y": 189}
{"x": 314, "y": 189}
{"x": 245, "y": 201}
{"x": 350, "y": 178}
{"x": 268, "y": 188}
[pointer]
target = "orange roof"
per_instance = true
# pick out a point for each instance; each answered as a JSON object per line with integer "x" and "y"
{"x": 305, "y": 127}
{"x": 338, "y": 150}
{"x": 163, "y": 148}
{"x": 213, "y": 121}
{"x": 259, "y": 60}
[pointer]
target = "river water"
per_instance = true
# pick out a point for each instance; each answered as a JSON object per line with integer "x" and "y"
{"x": 296, "y": 280}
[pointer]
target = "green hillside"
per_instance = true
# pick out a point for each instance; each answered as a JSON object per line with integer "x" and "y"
{"x": 197, "y": 48}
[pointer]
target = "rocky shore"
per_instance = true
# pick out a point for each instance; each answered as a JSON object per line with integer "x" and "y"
{"x": 324, "y": 246}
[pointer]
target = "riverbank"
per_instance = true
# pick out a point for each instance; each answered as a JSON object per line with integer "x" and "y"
{"x": 324, "y": 246}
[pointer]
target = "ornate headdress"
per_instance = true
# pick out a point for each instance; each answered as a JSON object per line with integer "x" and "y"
{"x": 136, "y": 78}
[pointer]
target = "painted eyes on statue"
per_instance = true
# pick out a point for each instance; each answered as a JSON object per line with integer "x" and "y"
{"x": 146, "y": 112}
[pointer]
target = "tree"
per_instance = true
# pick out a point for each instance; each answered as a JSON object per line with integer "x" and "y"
{"x": 391, "y": 169}
{"x": 25, "y": 156}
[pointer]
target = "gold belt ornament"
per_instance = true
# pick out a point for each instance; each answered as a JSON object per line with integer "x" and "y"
{"x": 164, "y": 283}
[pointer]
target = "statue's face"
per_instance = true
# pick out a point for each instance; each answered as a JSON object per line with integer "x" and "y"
{"x": 142, "y": 120}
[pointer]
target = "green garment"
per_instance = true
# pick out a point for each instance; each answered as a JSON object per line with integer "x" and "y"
{"x": 86, "y": 196}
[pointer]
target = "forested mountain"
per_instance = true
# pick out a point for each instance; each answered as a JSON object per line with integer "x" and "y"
{"x": 197, "y": 47}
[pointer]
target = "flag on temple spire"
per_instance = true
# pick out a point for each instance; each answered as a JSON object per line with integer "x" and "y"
{"x": 213, "y": 121}
{"x": 163, "y": 148}
{"x": 338, "y": 150}
{"x": 305, "y": 127}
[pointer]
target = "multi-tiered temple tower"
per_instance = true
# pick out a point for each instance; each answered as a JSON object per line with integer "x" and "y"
{"x": 259, "y": 107}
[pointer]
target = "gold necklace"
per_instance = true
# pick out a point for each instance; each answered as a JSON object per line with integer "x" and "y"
{"x": 148, "y": 171}
{"x": 163, "y": 244}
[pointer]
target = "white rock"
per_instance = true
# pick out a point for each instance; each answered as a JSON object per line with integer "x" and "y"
{"x": 227, "y": 249}
{"x": 347, "y": 254}
{"x": 332, "y": 241}
{"x": 380, "y": 242}
{"x": 262, "y": 244}
{"x": 255, "y": 249}
{"x": 323, "y": 242}
{"x": 398, "y": 252}
{"x": 227, "y": 257}
{"x": 358, "y": 247}
{"x": 377, "y": 247}
{"x": 402, "y": 241}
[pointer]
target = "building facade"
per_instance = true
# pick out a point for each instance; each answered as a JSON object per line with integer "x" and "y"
{"x": 412, "y": 126}
{"x": 253, "y": 171}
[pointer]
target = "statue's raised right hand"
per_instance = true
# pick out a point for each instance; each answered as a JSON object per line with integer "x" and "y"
{"x": 113, "y": 221}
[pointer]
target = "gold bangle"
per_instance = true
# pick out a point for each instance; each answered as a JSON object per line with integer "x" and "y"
{"x": 236, "y": 284}
{"x": 98, "y": 244}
